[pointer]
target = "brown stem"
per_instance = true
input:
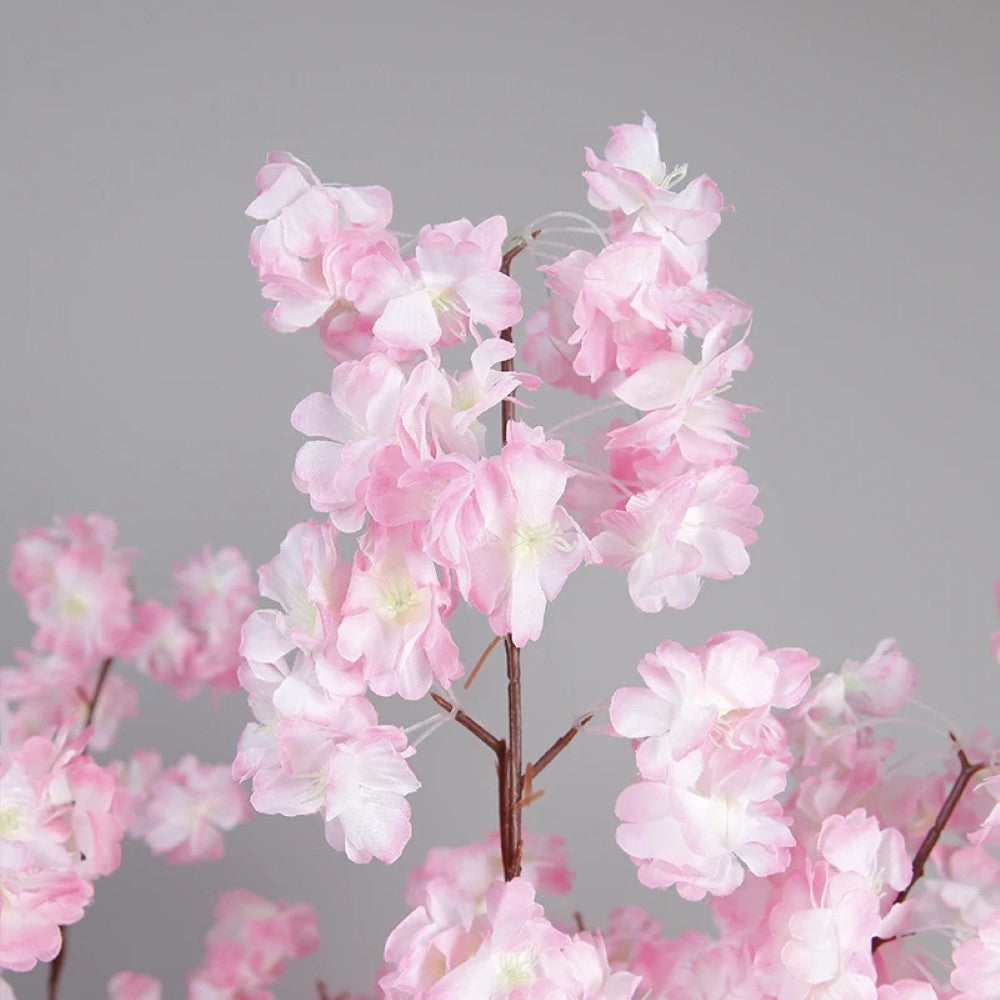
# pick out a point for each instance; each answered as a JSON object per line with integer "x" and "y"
{"x": 559, "y": 745}
{"x": 510, "y": 761}
{"x": 482, "y": 659}
{"x": 967, "y": 772}
{"x": 510, "y": 812}
{"x": 56, "y": 965}
{"x": 465, "y": 720}
{"x": 102, "y": 676}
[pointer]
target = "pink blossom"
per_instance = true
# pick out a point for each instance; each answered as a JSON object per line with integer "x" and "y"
{"x": 394, "y": 618}
{"x": 511, "y": 543}
{"x": 163, "y": 647}
{"x": 308, "y": 580}
{"x": 134, "y": 986}
{"x": 671, "y": 537}
{"x": 701, "y": 819}
{"x": 990, "y": 827}
{"x": 187, "y": 808}
{"x": 473, "y": 869}
{"x": 444, "y": 951}
{"x": 52, "y": 692}
{"x": 856, "y": 843}
{"x": 634, "y": 185}
{"x": 684, "y": 400}
{"x": 249, "y": 946}
{"x": 356, "y": 419}
{"x": 35, "y": 899}
{"x": 302, "y": 223}
{"x": 351, "y": 771}
{"x": 882, "y": 684}
{"x": 79, "y": 595}
{"x": 828, "y": 952}
{"x": 547, "y": 348}
{"x": 724, "y": 689}
{"x": 453, "y": 286}
{"x": 977, "y": 963}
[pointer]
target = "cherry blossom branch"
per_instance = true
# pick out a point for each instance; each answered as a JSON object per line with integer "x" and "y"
{"x": 559, "y": 745}
{"x": 967, "y": 772}
{"x": 510, "y": 758}
{"x": 465, "y": 720}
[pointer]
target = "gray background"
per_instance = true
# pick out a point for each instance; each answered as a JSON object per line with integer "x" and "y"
{"x": 858, "y": 142}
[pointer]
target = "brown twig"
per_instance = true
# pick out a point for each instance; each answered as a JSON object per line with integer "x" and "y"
{"x": 966, "y": 773}
{"x": 56, "y": 965}
{"x": 482, "y": 659}
{"x": 578, "y": 918}
{"x": 510, "y": 767}
{"x": 466, "y": 720}
{"x": 559, "y": 745}
{"x": 102, "y": 676}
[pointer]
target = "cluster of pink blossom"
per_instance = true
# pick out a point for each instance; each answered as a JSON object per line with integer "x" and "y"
{"x": 832, "y": 911}
{"x": 194, "y": 643}
{"x": 246, "y": 950}
{"x": 762, "y": 787}
{"x": 744, "y": 765}
{"x": 62, "y": 818}
{"x": 63, "y": 815}
{"x": 182, "y": 811}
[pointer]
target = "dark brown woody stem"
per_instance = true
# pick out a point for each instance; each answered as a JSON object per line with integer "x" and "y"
{"x": 56, "y": 965}
{"x": 465, "y": 720}
{"x": 559, "y": 745}
{"x": 966, "y": 773}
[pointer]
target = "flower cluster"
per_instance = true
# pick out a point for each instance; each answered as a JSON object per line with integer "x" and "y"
{"x": 448, "y": 948}
{"x": 712, "y": 759}
{"x": 182, "y": 811}
{"x": 195, "y": 643}
{"x": 246, "y": 950}
{"x": 63, "y": 815}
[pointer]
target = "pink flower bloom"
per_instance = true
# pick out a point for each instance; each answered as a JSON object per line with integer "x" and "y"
{"x": 671, "y": 537}
{"x": 684, "y": 400}
{"x": 473, "y": 869}
{"x": 721, "y": 692}
{"x": 163, "y": 648}
{"x": 977, "y": 964}
{"x": 356, "y": 419}
{"x": 990, "y": 827}
{"x": 511, "y": 543}
{"x": 856, "y": 843}
{"x": 53, "y": 693}
{"x": 882, "y": 684}
{"x": 302, "y": 219}
{"x": 394, "y": 618}
{"x": 249, "y": 946}
{"x": 453, "y": 286}
{"x": 83, "y": 608}
{"x": 134, "y": 986}
{"x": 702, "y": 817}
{"x": 308, "y": 580}
{"x": 547, "y": 349}
{"x": 351, "y": 771}
{"x": 633, "y": 184}
{"x": 444, "y": 951}
{"x": 188, "y": 807}
{"x": 828, "y": 952}
{"x": 35, "y": 899}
